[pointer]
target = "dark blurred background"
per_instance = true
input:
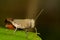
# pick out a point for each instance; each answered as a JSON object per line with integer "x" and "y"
{"x": 48, "y": 23}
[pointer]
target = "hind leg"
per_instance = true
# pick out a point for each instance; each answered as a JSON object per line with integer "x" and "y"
{"x": 36, "y": 30}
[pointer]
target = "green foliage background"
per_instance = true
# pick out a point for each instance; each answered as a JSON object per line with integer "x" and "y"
{"x": 6, "y": 34}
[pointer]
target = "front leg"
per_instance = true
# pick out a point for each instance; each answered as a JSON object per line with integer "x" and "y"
{"x": 15, "y": 29}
